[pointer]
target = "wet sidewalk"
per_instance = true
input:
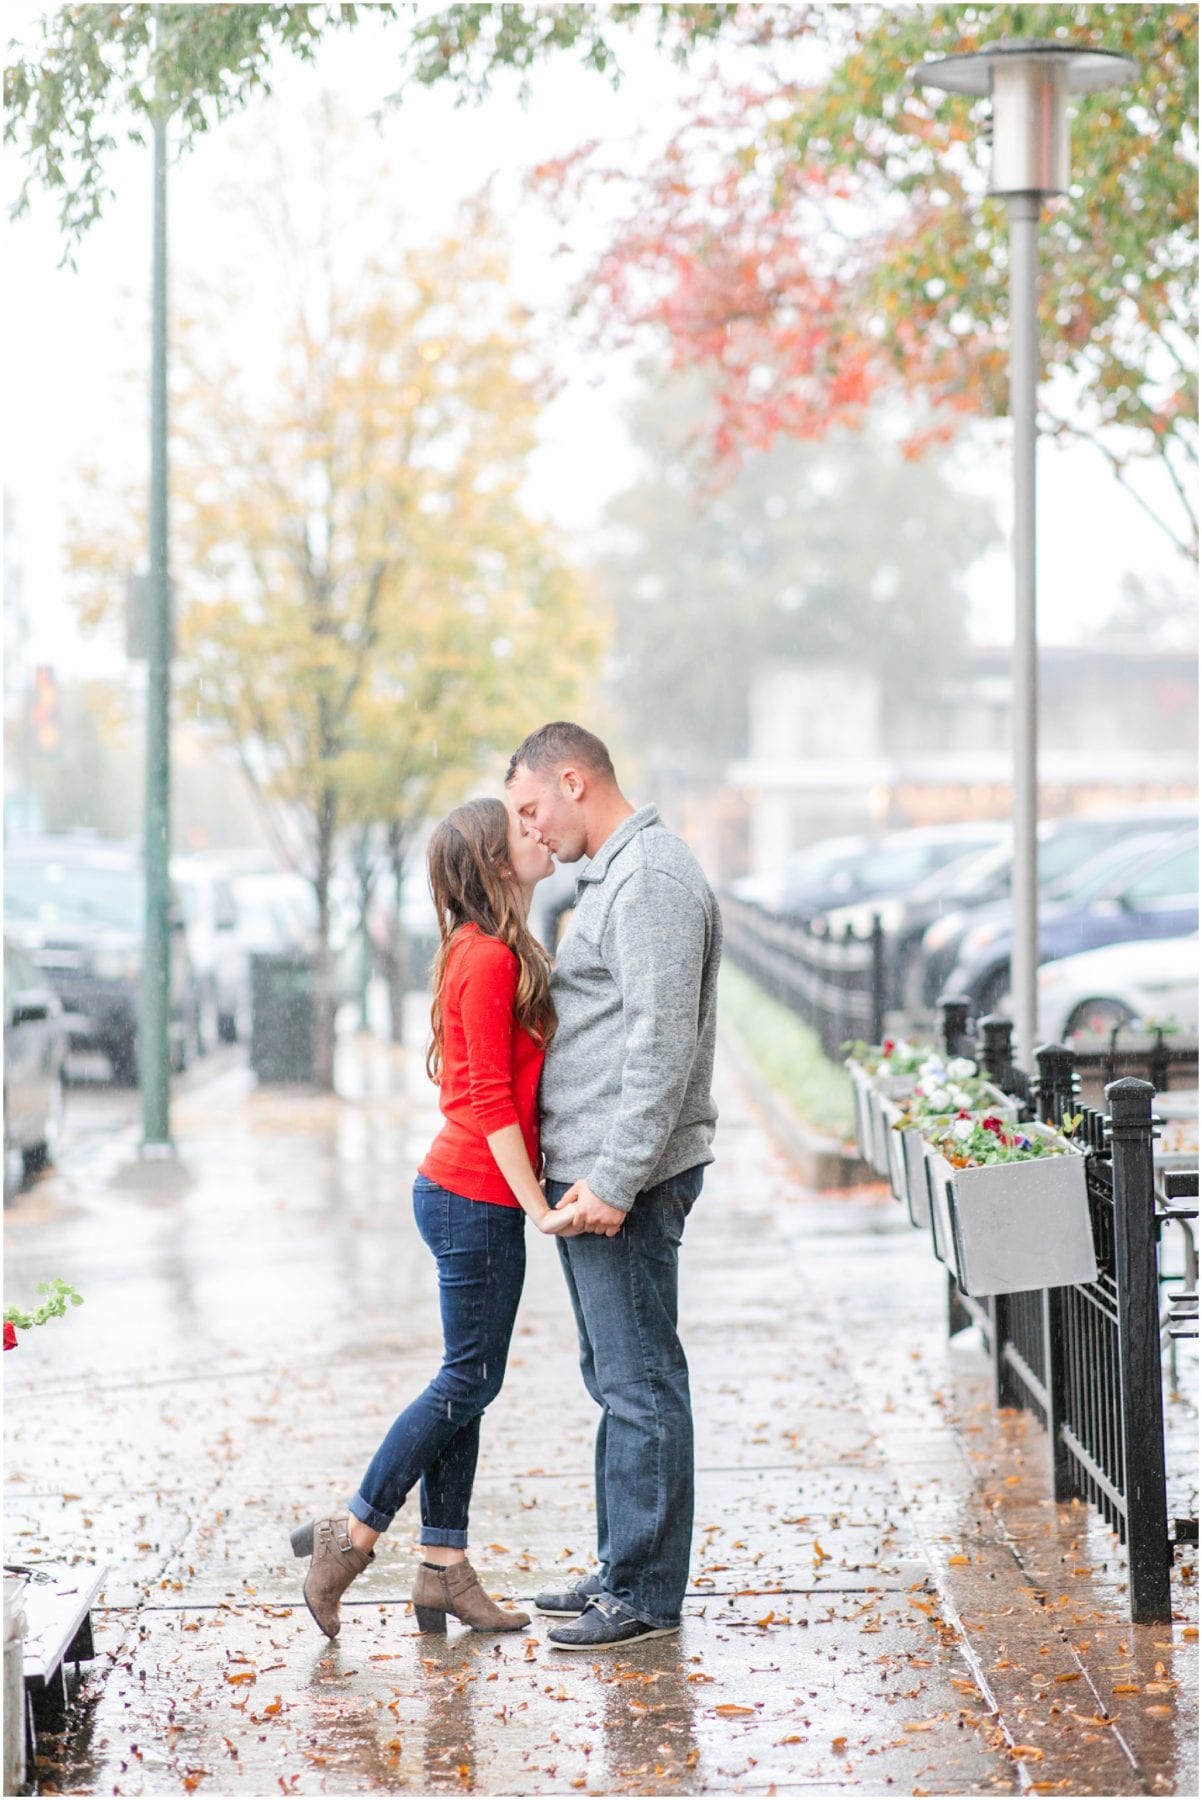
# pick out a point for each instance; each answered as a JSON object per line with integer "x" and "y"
{"x": 884, "y": 1599}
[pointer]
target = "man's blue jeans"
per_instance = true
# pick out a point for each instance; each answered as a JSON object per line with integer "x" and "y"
{"x": 481, "y": 1254}
{"x": 623, "y": 1292}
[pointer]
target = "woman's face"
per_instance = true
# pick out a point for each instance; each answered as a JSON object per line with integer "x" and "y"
{"x": 530, "y": 861}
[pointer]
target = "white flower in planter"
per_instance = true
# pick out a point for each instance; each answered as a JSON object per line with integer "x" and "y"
{"x": 959, "y": 1098}
{"x": 961, "y": 1067}
{"x": 941, "y": 1100}
{"x": 962, "y": 1128}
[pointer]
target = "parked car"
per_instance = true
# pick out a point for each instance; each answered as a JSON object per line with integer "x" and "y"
{"x": 1144, "y": 979}
{"x": 36, "y": 1041}
{"x": 275, "y": 909}
{"x": 837, "y": 871}
{"x": 219, "y": 961}
{"x": 927, "y": 949}
{"x": 76, "y": 904}
{"x": 1142, "y": 888}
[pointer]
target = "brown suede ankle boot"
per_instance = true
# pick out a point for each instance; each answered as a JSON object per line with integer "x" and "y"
{"x": 335, "y": 1564}
{"x": 457, "y": 1590}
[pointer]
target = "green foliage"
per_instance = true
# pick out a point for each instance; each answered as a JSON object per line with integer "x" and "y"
{"x": 100, "y": 71}
{"x": 59, "y": 1295}
{"x": 788, "y": 1053}
{"x": 467, "y": 45}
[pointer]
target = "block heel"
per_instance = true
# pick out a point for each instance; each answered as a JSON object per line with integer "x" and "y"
{"x": 456, "y": 1591}
{"x": 334, "y": 1564}
{"x": 302, "y": 1540}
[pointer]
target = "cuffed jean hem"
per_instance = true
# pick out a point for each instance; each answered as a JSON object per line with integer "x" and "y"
{"x": 446, "y": 1540}
{"x": 368, "y": 1515}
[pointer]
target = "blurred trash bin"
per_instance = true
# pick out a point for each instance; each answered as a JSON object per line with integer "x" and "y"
{"x": 281, "y": 1015}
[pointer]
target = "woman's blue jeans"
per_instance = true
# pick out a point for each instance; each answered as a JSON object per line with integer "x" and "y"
{"x": 480, "y": 1249}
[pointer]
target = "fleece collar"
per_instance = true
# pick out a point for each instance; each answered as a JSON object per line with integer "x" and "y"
{"x": 597, "y": 867}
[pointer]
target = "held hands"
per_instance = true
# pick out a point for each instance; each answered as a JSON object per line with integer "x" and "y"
{"x": 592, "y": 1214}
{"x": 559, "y": 1221}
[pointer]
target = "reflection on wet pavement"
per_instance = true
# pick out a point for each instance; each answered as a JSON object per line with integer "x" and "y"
{"x": 883, "y": 1596}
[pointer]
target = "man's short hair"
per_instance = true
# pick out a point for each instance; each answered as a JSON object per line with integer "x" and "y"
{"x": 551, "y": 746}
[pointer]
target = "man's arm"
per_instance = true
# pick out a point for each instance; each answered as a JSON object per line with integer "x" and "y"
{"x": 654, "y": 946}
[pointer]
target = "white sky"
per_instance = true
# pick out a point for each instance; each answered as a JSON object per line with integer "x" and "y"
{"x": 72, "y": 336}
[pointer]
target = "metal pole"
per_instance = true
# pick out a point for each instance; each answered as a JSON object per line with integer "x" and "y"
{"x": 154, "y": 1034}
{"x": 1024, "y": 373}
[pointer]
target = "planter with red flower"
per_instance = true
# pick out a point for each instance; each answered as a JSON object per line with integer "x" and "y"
{"x": 1009, "y": 1207}
{"x": 881, "y": 1074}
{"x": 48, "y": 1605}
{"x": 58, "y": 1297}
{"x": 945, "y": 1090}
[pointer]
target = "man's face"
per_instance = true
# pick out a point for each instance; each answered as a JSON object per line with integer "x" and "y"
{"x": 549, "y": 808}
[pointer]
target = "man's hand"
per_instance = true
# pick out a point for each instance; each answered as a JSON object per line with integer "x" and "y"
{"x": 593, "y": 1214}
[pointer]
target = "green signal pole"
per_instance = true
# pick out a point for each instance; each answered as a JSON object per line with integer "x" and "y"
{"x": 153, "y": 1037}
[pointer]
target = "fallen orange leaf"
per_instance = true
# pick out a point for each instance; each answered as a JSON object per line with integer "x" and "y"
{"x": 728, "y": 1708}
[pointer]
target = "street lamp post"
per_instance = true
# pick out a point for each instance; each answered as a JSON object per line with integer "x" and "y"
{"x": 154, "y": 1023}
{"x": 1029, "y": 84}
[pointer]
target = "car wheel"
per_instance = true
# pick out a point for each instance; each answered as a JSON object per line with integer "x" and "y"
{"x": 46, "y": 1154}
{"x": 227, "y": 1027}
{"x": 1098, "y": 1017}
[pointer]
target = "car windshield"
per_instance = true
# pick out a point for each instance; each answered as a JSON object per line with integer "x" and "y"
{"x": 276, "y": 908}
{"x": 820, "y": 862}
{"x": 1105, "y": 869}
{"x": 73, "y": 893}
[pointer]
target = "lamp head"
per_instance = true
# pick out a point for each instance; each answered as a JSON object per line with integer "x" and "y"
{"x": 1029, "y": 82}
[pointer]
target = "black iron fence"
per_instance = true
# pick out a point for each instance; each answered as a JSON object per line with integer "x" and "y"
{"x": 1086, "y": 1359}
{"x": 835, "y": 983}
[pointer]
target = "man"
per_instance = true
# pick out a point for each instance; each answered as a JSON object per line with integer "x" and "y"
{"x": 627, "y": 1123}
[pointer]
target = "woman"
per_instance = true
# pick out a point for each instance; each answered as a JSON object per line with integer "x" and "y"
{"x": 491, "y": 1021}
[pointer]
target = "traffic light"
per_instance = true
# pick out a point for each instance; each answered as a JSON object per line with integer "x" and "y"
{"x": 44, "y": 711}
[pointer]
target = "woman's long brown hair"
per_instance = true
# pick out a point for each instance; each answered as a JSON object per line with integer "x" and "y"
{"x": 468, "y": 861}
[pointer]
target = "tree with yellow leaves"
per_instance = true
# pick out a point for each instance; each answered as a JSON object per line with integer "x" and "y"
{"x": 368, "y": 615}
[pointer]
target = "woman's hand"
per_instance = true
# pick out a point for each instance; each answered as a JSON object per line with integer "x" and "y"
{"x": 559, "y": 1221}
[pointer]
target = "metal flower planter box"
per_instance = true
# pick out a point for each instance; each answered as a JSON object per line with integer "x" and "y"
{"x": 882, "y": 1092}
{"x": 907, "y": 1163}
{"x": 1010, "y": 1228}
{"x": 870, "y": 1092}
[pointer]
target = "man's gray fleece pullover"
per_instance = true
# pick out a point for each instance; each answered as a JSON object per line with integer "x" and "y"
{"x": 625, "y": 1098}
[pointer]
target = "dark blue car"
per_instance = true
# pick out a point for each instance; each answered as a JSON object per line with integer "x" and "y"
{"x": 1142, "y": 888}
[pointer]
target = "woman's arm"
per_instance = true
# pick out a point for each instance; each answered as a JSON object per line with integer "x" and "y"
{"x": 511, "y": 1157}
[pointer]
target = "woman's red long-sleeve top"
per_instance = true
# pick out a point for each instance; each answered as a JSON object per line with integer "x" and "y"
{"x": 490, "y": 1070}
